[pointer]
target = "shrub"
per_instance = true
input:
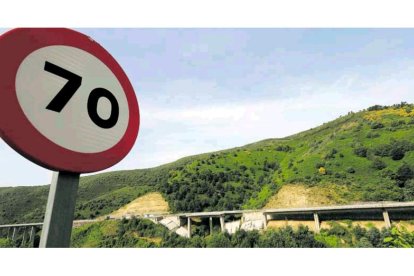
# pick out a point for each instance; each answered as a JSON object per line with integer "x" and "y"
{"x": 395, "y": 149}
{"x": 403, "y": 174}
{"x": 359, "y": 232}
{"x": 322, "y": 170}
{"x": 400, "y": 238}
{"x": 5, "y": 243}
{"x": 374, "y": 236}
{"x": 319, "y": 165}
{"x": 337, "y": 230}
{"x": 361, "y": 151}
{"x": 376, "y": 107}
{"x": 350, "y": 170}
{"x": 376, "y": 125}
{"x": 378, "y": 164}
{"x": 409, "y": 190}
{"x": 284, "y": 148}
{"x": 287, "y": 237}
{"x": 220, "y": 240}
{"x": 245, "y": 239}
{"x": 397, "y": 123}
{"x": 397, "y": 153}
{"x": 387, "y": 174}
{"x": 339, "y": 175}
{"x": 373, "y": 135}
{"x": 331, "y": 154}
{"x": 364, "y": 243}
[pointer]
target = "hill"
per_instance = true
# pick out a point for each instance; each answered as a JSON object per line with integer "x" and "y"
{"x": 363, "y": 156}
{"x": 144, "y": 233}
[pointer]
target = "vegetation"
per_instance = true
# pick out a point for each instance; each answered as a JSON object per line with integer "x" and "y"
{"x": 369, "y": 154}
{"x": 144, "y": 233}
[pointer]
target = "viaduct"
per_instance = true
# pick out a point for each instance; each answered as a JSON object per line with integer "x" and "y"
{"x": 249, "y": 219}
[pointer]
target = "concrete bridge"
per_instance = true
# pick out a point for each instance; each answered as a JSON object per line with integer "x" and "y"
{"x": 253, "y": 219}
{"x": 28, "y": 231}
{"x": 258, "y": 219}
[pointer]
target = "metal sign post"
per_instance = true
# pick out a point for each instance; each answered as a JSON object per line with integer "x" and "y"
{"x": 60, "y": 208}
{"x": 52, "y": 83}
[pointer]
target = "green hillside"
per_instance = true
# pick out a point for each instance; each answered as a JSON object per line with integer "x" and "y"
{"x": 144, "y": 233}
{"x": 364, "y": 156}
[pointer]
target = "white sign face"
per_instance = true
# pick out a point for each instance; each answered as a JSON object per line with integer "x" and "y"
{"x": 72, "y": 98}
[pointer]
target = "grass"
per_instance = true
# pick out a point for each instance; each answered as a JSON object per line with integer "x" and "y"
{"x": 247, "y": 177}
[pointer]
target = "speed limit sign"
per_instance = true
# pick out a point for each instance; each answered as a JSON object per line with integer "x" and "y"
{"x": 65, "y": 103}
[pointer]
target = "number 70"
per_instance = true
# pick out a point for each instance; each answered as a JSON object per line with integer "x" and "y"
{"x": 69, "y": 89}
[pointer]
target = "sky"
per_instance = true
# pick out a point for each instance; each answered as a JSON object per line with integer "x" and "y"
{"x": 202, "y": 90}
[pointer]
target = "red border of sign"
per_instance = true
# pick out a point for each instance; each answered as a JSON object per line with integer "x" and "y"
{"x": 17, "y": 130}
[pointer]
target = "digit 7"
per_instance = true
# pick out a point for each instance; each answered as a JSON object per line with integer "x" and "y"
{"x": 67, "y": 91}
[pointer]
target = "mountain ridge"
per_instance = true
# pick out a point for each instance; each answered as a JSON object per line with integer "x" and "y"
{"x": 365, "y": 155}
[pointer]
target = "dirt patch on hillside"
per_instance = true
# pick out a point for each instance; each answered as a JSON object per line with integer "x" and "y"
{"x": 152, "y": 203}
{"x": 298, "y": 195}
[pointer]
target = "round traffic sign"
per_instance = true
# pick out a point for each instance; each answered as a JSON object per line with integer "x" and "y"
{"x": 65, "y": 103}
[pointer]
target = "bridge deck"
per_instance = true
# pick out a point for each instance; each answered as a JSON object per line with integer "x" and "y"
{"x": 21, "y": 225}
{"x": 377, "y": 206}
{"x": 309, "y": 210}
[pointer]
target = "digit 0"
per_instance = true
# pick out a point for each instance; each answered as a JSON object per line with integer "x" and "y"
{"x": 93, "y": 99}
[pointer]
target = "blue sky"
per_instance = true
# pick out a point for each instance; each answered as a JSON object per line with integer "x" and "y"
{"x": 202, "y": 90}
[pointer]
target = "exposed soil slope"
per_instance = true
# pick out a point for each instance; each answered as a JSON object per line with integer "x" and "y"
{"x": 151, "y": 203}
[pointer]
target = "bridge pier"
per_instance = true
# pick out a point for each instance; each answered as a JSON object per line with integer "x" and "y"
{"x": 24, "y": 236}
{"x": 14, "y": 233}
{"x": 31, "y": 236}
{"x": 211, "y": 225}
{"x": 317, "y": 223}
{"x": 386, "y": 218}
{"x": 222, "y": 225}
{"x": 264, "y": 221}
{"x": 189, "y": 226}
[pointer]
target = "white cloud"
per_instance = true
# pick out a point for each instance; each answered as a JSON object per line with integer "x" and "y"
{"x": 192, "y": 116}
{"x": 176, "y": 132}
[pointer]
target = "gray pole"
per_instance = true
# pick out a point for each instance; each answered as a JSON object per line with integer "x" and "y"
{"x": 32, "y": 236}
{"x": 24, "y": 236}
{"x": 189, "y": 226}
{"x": 14, "y": 233}
{"x": 60, "y": 208}
{"x": 8, "y": 232}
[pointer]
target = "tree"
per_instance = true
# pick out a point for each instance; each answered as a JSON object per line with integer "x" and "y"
{"x": 350, "y": 170}
{"x": 364, "y": 243}
{"x": 404, "y": 173}
{"x": 374, "y": 236}
{"x": 376, "y": 125}
{"x": 399, "y": 238}
{"x": 245, "y": 239}
{"x": 397, "y": 153}
{"x": 378, "y": 164}
{"x": 219, "y": 240}
{"x": 409, "y": 190}
{"x": 361, "y": 151}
